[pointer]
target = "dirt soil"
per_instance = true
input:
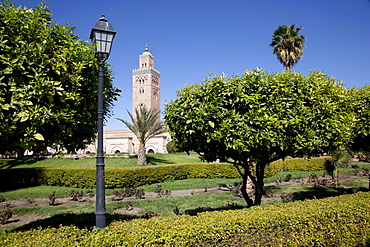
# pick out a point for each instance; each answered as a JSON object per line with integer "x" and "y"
{"x": 27, "y": 218}
{"x": 38, "y": 202}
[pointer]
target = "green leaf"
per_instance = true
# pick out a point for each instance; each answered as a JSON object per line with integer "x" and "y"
{"x": 24, "y": 118}
{"x": 5, "y": 106}
{"x": 8, "y": 70}
{"x": 39, "y": 137}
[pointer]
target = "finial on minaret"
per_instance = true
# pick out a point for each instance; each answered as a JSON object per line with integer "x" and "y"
{"x": 146, "y": 47}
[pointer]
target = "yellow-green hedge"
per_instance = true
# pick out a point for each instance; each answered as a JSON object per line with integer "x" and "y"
{"x": 124, "y": 177}
{"x": 336, "y": 221}
{"x": 296, "y": 164}
{"x": 114, "y": 177}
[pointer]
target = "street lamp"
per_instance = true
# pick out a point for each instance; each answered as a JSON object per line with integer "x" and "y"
{"x": 102, "y": 36}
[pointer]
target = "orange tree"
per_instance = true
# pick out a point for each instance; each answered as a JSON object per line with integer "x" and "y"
{"x": 258, "y": 118}
{"x": 361, "y": 107}
{"x": 48, "y": 83}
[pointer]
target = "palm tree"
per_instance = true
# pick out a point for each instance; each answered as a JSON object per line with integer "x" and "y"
{"x": 338, "y": 158}
{"x": 288, "y": 45}
{"x": 145, "y": 124}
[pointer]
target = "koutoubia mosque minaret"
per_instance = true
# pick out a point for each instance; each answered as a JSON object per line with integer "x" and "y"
{"x": 145, "y": 83}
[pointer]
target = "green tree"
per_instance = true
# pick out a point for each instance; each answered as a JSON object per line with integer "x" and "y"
{"x": 145, "y": 125}
{"x": 172, "y": 147}
{"x": 360, "y": 103}
{"x": 288, "y": 45}
{"x": 48, "y": 83}
{"x": 258, "y": 118}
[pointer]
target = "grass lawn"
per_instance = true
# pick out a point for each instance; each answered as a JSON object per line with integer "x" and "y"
{"x": 110, "y": 162}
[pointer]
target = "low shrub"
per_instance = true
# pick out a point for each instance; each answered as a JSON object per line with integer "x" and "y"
{"x": 296, "y": 164}
{"x": 136, "y": 176}
{"x": 172, "y": 147}
{"x": 114, "y": 177}
{"x": 5, "y": 214}
{"x": 334, "y": 221}
{"x": 51, "y": 198}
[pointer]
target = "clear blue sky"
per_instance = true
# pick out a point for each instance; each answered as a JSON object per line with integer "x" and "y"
{"x": 192, "y": 38}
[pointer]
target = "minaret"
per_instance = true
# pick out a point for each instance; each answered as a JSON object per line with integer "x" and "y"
{"x": 145, "y": 83}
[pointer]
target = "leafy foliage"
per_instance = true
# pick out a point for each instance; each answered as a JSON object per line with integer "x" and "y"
{"x": 305, "y": 223}
{"x": 172, "y": 147}
{"x": 258, "y": 118}
{"x": 295, "y": 164}
{"x": 288, "y": 45}
{"x": 5, "y": 214}
{"x": 360, "y": 103}
{"x": 48, "y": 83}
{"x": 129, "y": 177}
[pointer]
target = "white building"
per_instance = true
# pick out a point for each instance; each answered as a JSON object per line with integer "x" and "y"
{"x": 145, "y": 92}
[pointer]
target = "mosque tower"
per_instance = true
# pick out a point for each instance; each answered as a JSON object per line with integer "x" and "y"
{"x": 145, "y": 83}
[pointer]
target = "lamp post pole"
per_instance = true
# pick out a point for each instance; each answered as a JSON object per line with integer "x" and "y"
{"x": 100, "y": 184}
{"x": 102, "y": 36}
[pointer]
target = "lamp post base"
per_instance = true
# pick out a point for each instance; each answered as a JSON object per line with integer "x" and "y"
{"x": 100, "y": 220}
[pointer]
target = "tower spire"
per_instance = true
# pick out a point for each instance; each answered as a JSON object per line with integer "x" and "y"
{"x": 146, "y": 47}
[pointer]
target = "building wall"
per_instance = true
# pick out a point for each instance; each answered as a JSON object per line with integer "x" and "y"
{"x": 124, "y": 141}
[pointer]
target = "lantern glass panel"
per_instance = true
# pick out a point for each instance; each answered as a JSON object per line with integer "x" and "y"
{"x": 110, "y": 37}
{"x": 108, "y": 46}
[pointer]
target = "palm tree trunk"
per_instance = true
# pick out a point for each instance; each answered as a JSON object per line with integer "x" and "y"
{"x": 141, "y": 157}
{"x": 335, "y": 177}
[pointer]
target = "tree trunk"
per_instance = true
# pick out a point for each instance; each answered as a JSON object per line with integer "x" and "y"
{"x": 259, "y": 184}
{"x": 258, "y": 193}
{"x": 243, "y": 189}
{"x": 20, "y": 153}
{"x": 335, "y": 177}
{"x": 141, "y": 156}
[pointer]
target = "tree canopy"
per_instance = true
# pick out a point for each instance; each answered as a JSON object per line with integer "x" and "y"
{"x": 48, "y": 83}
{"x": 360, "y": 105}
{"x": 288, "y": 45}
{"x": 258, "y": 118}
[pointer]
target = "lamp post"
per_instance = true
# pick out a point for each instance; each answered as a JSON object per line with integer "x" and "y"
{"x": 102, "y": 36}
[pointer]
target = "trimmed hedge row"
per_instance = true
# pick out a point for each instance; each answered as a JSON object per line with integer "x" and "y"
{"x": 114, "y": 177}
{"x": 296, "y": 164}
{"x": 335, "y": 221}
{"x": 124, "y": 177}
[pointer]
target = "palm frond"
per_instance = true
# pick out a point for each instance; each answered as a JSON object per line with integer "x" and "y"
{"x": 288, "y": 45}
{"x": 145, "y": 123}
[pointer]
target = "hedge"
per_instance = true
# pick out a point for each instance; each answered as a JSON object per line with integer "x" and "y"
{"x": 114, "y": 177}
{"x": 124, "y": 177}
{"x": 296, "y": 164}
{"x": 335, "y": 221}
